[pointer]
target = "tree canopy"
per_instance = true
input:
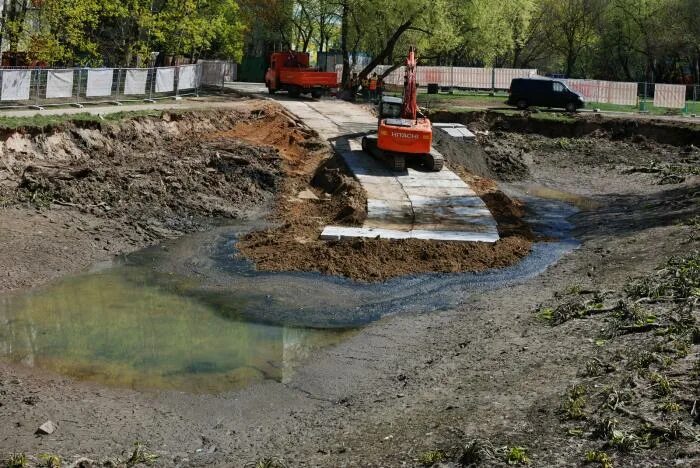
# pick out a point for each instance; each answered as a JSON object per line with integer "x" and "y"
{"x": 653, "y": 40}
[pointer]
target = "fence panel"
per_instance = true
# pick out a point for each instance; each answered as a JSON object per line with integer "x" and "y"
{"x": 668, "y": 95}
{"x": 186, "y": 78}
{"x": 135, "y": 81}
{"x": 99, "y": 82}
{"x": 59, "y": 83}
{"x": 16, "y": 85}
{"x": 503, "y": 76}
{"x": 622, "y": 93}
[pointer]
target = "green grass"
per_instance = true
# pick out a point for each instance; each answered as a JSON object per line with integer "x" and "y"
{"x": 692, "y": 107}
{"x": 464, "y": 100}
{"x": 48, "y": 121}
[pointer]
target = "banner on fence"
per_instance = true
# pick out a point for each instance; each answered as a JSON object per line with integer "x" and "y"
{"x": 668, "y": 95}
{"x": 165, "y": 80}
{"x": 135, "y": 82}
{"x": 59, "y": 84}
{"x": 15, "y": 85}
{"x": 99, "y": 82}
{"x": 187, "y": 77}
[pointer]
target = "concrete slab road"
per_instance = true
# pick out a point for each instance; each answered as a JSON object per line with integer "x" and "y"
{"x": 413, "y": 204}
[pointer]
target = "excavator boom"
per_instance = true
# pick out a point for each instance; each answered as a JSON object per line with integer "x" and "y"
{"x": 410, "y": 90}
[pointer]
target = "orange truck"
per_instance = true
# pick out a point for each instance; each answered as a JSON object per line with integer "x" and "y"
{"x": 290, "y": 71}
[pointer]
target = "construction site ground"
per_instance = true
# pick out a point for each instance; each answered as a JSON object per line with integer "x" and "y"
{"x": 460, "y": 385}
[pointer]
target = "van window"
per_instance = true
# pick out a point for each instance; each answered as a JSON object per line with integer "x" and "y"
{"x": 558, "y": 87}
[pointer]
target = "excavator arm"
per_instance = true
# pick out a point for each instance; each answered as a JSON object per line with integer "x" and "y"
{"x": 410, "y": 90}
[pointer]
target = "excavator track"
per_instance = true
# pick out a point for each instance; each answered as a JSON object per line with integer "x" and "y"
{"x": 433, "y": 161}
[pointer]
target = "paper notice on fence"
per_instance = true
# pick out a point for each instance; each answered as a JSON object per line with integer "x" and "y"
{"x": 135, "y": 82}
{"x": 667, "y": 95}
{"x": 59, "y": 84}
{"x": 15, "y": 85}
{"x": 99, "y": 82}
{"x": 165, "y": 80}
{"x": 186, "y": 77}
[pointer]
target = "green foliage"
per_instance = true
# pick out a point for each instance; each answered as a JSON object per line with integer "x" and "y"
{"x": 125, "y": 32}
{"x": 266, "y": 463}
{"x": 140, "y": 456}
{"x": 663, "y": 385}
{"x": 575, "y": 402}
{"x": 432, "y": 457}
{"x": 517, "y": 456}
{"x": 16, "y": 460}
{"x": 602, "y": 458}
{"x": 50, "y": 461}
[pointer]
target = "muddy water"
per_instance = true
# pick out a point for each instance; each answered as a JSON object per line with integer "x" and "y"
{"x": 189, "y": 315}
{"x": 113, "y": 328}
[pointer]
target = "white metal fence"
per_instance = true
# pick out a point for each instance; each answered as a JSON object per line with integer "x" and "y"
{"x": 455, "y": 77}
{"x": 43, "y": 87}
{"x": 621, "y": 93}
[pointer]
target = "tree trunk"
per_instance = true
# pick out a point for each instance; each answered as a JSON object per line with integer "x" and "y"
{"x": 388, "y": 49}
{"x": 344, "y": 44}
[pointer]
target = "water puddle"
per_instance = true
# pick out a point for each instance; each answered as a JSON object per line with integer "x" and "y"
{"x": 190, "y": 316}
{"x": 548, "y": 193}
{"x": 113, "y": 328}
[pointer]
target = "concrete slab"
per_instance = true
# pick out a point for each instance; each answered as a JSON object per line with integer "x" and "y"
{"x": 341, "y": 232}
{"x": 455, "y": 130}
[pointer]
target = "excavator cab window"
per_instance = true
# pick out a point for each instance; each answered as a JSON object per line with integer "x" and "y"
{"x": 390, "y": 108}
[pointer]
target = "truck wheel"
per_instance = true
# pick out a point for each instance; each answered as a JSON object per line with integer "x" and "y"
{"x": 294, "y": 92}
{"x": 316, "y": 93}
{"x": 521, "y": 104}
{"x": 571, "y": 107}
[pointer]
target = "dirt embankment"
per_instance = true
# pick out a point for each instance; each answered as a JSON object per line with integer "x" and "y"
{"x": 78, "y": 193}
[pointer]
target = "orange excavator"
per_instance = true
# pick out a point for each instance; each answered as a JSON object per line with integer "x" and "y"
{"x": 403, "y": 131}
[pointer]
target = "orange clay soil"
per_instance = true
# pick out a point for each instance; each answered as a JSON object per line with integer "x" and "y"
{"x": 318, "y": 191}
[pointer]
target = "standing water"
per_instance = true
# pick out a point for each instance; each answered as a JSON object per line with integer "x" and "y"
{"x": 110, "y": 327}
{"x": 190, "y": 316}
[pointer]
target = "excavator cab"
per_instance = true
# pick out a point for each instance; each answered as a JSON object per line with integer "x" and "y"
{"x": 390, "y": 108}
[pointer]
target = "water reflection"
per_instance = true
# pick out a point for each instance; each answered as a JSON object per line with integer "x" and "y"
{"x": 101, "y": 327}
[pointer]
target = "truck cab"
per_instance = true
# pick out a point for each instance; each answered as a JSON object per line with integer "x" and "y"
{"x": 290, "y": 71}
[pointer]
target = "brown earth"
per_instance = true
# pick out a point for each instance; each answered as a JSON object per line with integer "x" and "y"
{"x": 337, "y": 198}
{"x": 80, "y": 193}
{"x": 411, "y": 389}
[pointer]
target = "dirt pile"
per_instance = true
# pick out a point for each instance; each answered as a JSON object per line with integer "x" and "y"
{"x": 151, "y": 174}
{"x": 73, "y": 194}
{"x": 339, "y": 199}
{"x": 484, "y": 157}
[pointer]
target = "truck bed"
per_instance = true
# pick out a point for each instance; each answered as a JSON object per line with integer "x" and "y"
{"x": 308, "y": 78}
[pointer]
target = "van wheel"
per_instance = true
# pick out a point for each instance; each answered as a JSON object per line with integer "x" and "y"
{"x": 571, "y": 107}
{"x": 521, "y": 104}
